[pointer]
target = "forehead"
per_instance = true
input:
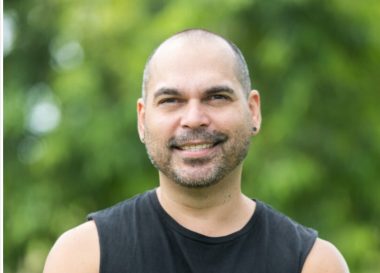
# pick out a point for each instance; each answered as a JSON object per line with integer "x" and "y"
{"x": 185, "y": 63}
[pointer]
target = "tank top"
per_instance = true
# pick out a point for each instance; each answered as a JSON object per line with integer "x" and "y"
{"x": 138, "y": 236}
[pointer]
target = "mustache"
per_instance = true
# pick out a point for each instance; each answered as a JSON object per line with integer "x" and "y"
{"x": 198, "y": 134}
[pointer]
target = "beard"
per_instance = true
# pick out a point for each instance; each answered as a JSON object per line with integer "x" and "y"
{"x": 198, "y": 172}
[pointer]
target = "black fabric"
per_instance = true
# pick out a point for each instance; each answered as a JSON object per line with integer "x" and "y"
{"x": 138, "y": 236}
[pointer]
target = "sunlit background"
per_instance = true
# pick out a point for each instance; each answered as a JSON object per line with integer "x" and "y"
{"x": 73, "y": 73}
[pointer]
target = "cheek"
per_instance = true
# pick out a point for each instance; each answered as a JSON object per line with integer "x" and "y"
{"x": 237, "y": 120}
{"x": 158, "y": 128}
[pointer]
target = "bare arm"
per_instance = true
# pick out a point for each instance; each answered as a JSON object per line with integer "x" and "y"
{"x": 324, "y": 257}
{"x": 76, "y": 251}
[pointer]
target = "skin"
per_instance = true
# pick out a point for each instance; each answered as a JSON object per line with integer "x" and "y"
{"x": 191, "y": 106}
{"x": 205, "y": 110}
{"x": 186, "y": 70}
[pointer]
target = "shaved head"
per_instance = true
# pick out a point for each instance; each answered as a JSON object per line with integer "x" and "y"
{"x": 198, "y": 36}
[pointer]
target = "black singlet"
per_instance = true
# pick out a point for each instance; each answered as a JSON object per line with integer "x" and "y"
{"x": 138, "y": 236}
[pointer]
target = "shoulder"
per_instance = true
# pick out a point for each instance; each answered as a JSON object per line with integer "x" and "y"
{"x": 77, "y": 250}
{"x": 119, "y": 210}
{"x": 284, "y": 226}
{"x": 290, "y": 241}
{"x": 325, "y": 257}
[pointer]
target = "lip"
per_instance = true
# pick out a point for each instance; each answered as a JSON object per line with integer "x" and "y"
{"x": 196, "y": 149}
{"x": 197, "y": 144}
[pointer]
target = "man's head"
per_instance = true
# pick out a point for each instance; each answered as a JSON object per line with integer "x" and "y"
{"x": 197, "y": 113}
{"x": 240, "y": 65}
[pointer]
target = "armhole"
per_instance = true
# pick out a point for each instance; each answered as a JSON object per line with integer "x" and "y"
{"x": 93, "y": 219}
{"x": 308, "y": 240}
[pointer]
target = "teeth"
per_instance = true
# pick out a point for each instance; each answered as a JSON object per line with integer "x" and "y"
{"x": 196, "y": 147}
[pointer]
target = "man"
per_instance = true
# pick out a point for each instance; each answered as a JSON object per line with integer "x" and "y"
{"x": 196, "y": 118}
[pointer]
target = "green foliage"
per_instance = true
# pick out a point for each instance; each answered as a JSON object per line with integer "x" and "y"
{"x": 73, "y": 75}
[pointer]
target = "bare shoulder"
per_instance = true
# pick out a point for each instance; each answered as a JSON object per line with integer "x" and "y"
{"x": 325, "y": 257}
{"x": 76, "y": 251}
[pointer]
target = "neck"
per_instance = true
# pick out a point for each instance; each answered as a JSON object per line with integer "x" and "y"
{"x": 217, "y": 210}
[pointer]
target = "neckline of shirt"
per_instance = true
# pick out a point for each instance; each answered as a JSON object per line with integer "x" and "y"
{"x": 174, "y": 225}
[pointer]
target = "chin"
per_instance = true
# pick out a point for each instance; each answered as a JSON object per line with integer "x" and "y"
{"x": 199, "y": 179}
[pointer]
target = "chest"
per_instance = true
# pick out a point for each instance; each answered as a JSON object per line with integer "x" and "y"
{"x": 167, "y": 251}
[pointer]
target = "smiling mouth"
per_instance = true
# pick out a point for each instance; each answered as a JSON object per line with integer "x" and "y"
{"x": 197, "y": 140}
{"x": 196, "y": 147}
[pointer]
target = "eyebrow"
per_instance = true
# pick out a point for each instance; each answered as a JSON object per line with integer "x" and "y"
{"x": 219, "y": 89}
{"x": 166, "y": 91}
{"x": 209, "y": 91}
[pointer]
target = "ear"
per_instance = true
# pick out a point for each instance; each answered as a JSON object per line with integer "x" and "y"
{"x": 254, "y": 107}
{"x": 140, "y": 118}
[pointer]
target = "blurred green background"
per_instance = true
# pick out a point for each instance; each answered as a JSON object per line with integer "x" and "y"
{"x": 73, "y": 73}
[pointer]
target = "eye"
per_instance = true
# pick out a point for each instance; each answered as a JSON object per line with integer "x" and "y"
{"x": 168, "y": 101}
{"x": 218, "y": 100}
{"x": 219, "y": 97}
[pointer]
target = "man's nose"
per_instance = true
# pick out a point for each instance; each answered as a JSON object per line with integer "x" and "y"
{"x": 195, "y": 116}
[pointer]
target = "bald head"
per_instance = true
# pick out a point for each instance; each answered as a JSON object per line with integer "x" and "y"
{"x": 193, "y": 41}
